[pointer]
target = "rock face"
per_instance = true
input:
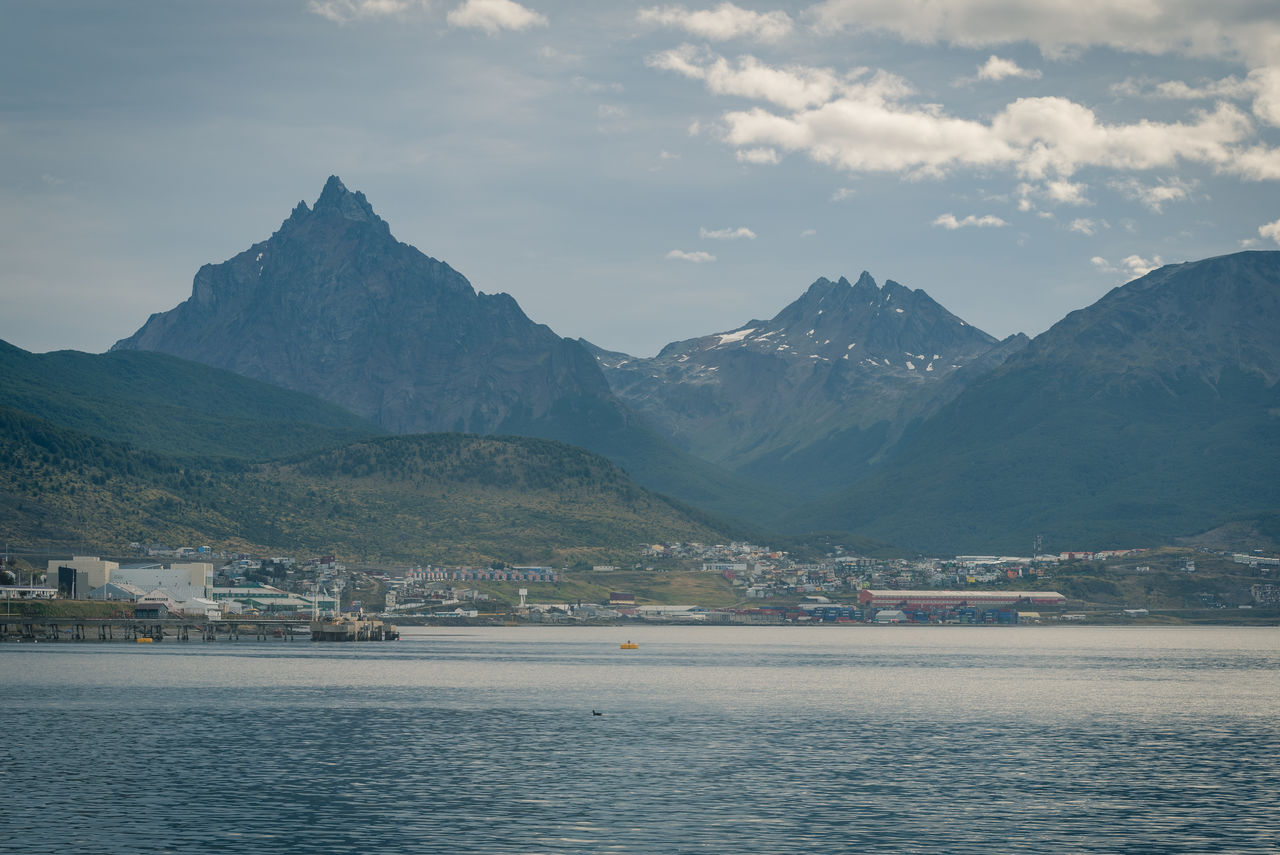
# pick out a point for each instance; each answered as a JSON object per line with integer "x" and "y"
{"x": 812, "y": 395}
{"x": 1153, "y": 413}
{"x": 333, "y": 305}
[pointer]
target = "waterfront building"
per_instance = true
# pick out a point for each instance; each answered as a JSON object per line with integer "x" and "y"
{"x": 942, "y": 600}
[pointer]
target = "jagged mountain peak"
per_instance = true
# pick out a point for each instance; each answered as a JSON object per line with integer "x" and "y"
{"x": 339, "y": 205}
{"x": 845, "y": 359}
{"x": 333, "y": 305}
{"x": 336, "y": 198}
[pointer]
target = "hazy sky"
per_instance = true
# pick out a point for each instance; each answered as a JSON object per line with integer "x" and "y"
{"x": 633, "y": 173}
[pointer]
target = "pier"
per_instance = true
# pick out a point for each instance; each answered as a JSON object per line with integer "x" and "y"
{"x": 353, "y": 629}
{"x": 24, "y": 628}
{"x": 62, "y": 629}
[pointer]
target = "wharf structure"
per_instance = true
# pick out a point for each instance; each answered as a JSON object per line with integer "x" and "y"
{"x": 353, "y": 629}
{"x": 36, "y": 628}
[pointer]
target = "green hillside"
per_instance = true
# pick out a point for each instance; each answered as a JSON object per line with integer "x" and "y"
{"x": 429, "y": 498}
{"x": 171, "y": 405}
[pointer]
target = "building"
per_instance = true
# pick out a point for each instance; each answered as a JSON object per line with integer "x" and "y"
{"x": 118, "y": 591}
{"x": 78, "y": 578}
{"x": 184, "y": 581}
{"x": 74, "y": 579}
{"x": 947, "y": 600}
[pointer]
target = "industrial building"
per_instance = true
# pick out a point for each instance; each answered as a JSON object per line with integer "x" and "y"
{"x": 78, "y": 578}
{"x": 948, "y": 600}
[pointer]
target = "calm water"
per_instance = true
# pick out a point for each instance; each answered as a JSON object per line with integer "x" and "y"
{"x": 718, "y": 740}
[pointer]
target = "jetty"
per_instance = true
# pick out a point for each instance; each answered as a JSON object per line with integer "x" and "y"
{"x": 353, "y": 629}
{"x": 75, "y": 629}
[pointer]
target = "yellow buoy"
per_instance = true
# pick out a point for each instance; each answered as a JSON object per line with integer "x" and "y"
{"x": 629, "y": 645}
{"x": 145, "y": 640}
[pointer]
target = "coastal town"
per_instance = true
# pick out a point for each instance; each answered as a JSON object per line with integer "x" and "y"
{"x": 735, "y": 583}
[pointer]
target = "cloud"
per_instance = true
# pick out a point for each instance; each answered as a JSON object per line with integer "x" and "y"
{"x": 1087, "y": 226}
{"x": 1153, "y": 197}
{"x": 1262, "y": 86}
{"x": 758, "y": 155}
{"x": 1230, "y": 88}
{"x": 949, "y": 221}
{"x": 1270, "y": 230}
{"x": 996, "y": 68}
{"x": 808, "y": 233}
{"x": 842, "y": 193}
{"x": 344, "y": 11}
{"x": 494, "y": 15}
{"x": 724, "y": 22}
{"x": 593, "y": 87}
{"x": 1266, "y": 100}
{"x": 728, "y": 234}
{"x": 698, "y": 257}
{"x": 793, "y": 87}
{"x": 861, "y": 122}
{"x": 1133, "y": 265}
{"x": 611, "y": 111}
{"x": 1236, "y": 31}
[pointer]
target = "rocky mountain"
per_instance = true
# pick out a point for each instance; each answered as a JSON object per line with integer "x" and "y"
{"x": 1153, "y": 413}
{"x": 811, "y": 396}
{"x": 334, "y": 306}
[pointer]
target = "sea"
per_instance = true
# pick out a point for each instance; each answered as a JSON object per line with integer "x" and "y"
{"x": 701, "y": 740}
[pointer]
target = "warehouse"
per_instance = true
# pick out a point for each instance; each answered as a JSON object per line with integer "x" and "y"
{"x": 943, "y": 600}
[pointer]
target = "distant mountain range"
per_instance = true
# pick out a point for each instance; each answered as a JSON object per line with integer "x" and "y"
{"x": 334, "y": 306}
{"x": 815, "y": 395}
{"x": 857, "y": 408}
{"x": 1151, "y": 414}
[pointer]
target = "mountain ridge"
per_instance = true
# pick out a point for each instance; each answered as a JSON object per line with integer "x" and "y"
{"x": 1151, "y": 414}
{"x": 842, "y": 370}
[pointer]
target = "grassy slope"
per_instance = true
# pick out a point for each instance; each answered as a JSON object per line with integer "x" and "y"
{"x": 171, "y": 405}
{"x": 1012, "y": 459}
{"x": 437, "y": 497}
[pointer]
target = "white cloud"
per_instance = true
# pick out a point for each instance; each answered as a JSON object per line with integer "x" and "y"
{"x": 758, "y": 155}
{"x": 343, "y": 11}
{"x": 1087, "y": 226}
{"x": 1270, "y": 230}
{"x": 1230, "y": 88}
{"x": 1237, "y": 31}
{"x": 793, "y": 87}
{"x": 1136, "y": 265}
{"x": 698, "y": 257}
{"x": 949, "y": 221}
{"x": 728, "y": 234}
{"x": 1054, "y": 135}
{"x": 1266, "y": 99}
{"x": 494, "y": 15}
{"x": 1245, "y": 32}
{"x": 996, "y": 68}
{"x": 1154, "y": 196}
{"x": 1133, "y": 265}
{"x": 1066, "y": 192}
{"x": 843, "y": 193}
{"x": 611, "y": 111}
{"x": 808, "y": 233}
{"x": 724, "y": 22}
{"x": 861, "y": 124}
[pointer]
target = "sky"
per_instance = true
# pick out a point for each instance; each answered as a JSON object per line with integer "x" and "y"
{"x": 635, "y": 174}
